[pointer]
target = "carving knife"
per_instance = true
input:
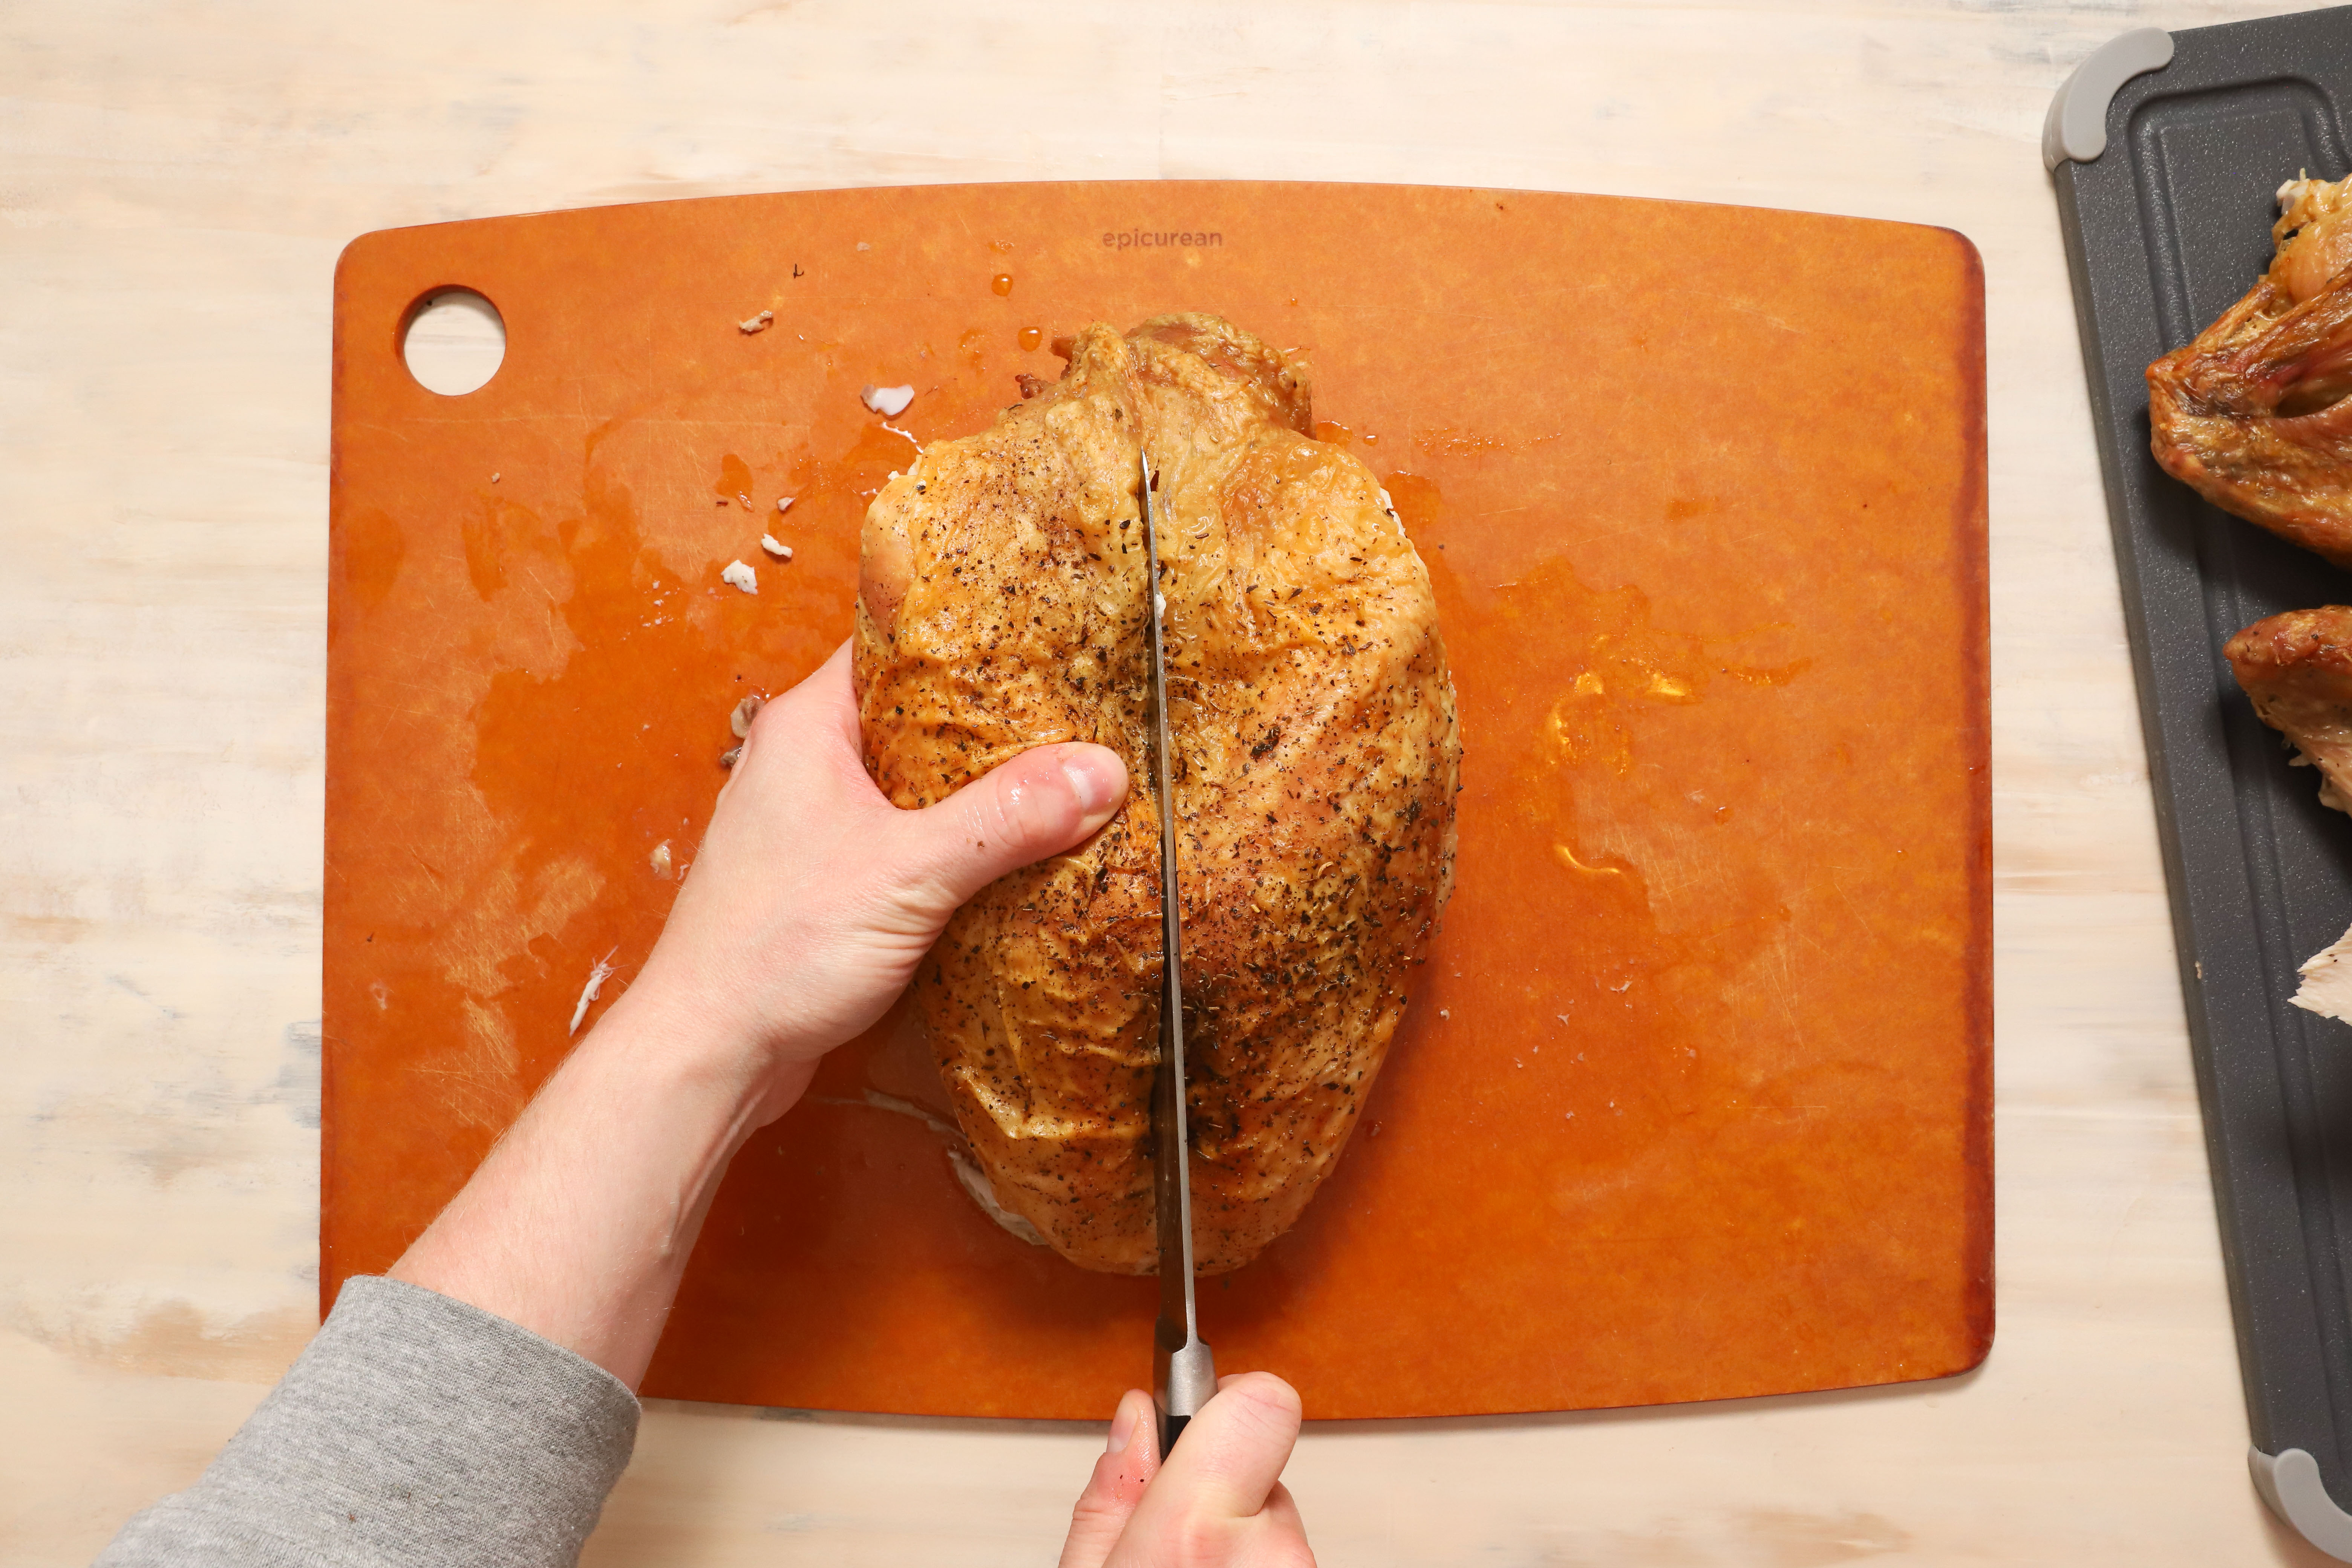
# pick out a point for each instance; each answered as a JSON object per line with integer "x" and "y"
{"x": 1184, "y": 1374}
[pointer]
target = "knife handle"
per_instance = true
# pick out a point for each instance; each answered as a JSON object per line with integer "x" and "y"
{"x": 1187, "y": 1381}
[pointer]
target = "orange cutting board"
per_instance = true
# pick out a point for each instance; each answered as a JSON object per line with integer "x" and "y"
{"x": 1693, "y": 1101}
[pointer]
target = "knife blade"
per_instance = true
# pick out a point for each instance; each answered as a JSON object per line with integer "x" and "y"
{"x": 1183, "y": 1372}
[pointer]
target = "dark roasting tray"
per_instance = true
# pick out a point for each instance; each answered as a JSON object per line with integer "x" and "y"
{"x": 2166, "y": 225}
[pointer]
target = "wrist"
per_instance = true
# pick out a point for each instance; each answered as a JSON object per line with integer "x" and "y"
{"x": 579, "y": 1222}
{"x": 681, "y": 1039}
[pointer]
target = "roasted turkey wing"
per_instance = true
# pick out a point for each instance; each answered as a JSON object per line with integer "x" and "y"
{"x": 2249, "y": 414}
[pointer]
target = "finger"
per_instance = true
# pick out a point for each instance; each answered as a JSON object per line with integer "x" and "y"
{"x": 833, "y": 686}
{"x": 825, "y": 703}
{"x": 1041, "y": 802}
{"x": 815, "y": 720}
{"x": 1232, "y": 1452}
{"x": 1281, "y": 1510}
{"x": 1116, "y": 1486}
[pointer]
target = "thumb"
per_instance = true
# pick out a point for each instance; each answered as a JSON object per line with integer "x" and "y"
{"x": 1231, "y": 1459}
{"x": 1045, "y": 801}
{"x": 1117, "y": 1485}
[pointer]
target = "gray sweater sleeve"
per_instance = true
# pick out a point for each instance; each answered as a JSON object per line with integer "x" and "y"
{"x": 413, "y": 1431}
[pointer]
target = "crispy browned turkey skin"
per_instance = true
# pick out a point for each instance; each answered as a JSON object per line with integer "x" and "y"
{"x": 1316, "y": 755}
{"x": 2251, "y": 413}
{"x": 2297, "y": 668}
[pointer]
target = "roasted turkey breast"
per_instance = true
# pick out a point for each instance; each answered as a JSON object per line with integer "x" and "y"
{"x": 1002, "y": 605}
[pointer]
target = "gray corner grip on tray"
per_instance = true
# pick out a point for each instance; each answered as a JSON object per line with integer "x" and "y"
{"x": 2290, "y": 1485}
{"x": 2077, "y": 127}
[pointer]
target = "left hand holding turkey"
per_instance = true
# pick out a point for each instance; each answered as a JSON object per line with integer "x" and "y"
{"x": 812, "y": 898}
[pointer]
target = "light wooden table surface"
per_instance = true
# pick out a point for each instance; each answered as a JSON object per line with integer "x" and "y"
{"x": 175, "y": 182}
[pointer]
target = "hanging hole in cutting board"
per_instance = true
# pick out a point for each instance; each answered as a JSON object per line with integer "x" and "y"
{"x": 453, "y": 341}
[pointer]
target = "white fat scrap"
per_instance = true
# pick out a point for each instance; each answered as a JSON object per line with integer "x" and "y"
{"x": 887, "y": 401}
{"x": 597, "y": 978}
{"x": 780, "y": 551}
{"x": 975, "y": 1186}
{"x": 757, "y": 323}
{"x": 967, "y": 1170}
{"x": 659, "y": 859}
{"x": 2301, "y": 189}
{"x": 2327, "y": 795}
{"x": 742, "y": 576}
{"x": 876, "y": 1099}
{"x": 784, "y": 504}
{"x": 2326, "y": 987}
{"x": 745, "y": 711}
